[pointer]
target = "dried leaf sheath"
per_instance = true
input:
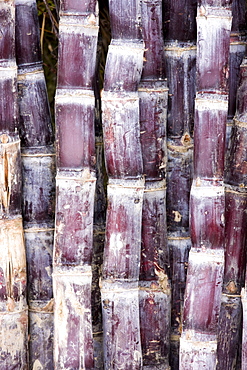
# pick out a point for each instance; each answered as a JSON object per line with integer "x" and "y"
{"x": 75, "y": 185}
{"x": 13, "y": 307}
{"x": 207, "y": 202}
{"x": 38, "y": 168}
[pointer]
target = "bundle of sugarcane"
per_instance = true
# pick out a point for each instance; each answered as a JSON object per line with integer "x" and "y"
{"x": 237, "y": 51}
{"x": 38, "y": 167}
{"x": 121, "y": 129}
{"x": 180, "y": 58}
{"x": 154, "y": 292}
{"x": 13, "y": 307}
{"x": 230, "y": 320}
{"x": 198, "y": 342}
{"x": 75, "y": 185}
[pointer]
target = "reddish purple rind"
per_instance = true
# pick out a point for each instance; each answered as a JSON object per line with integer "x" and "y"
{"x": 209, "y": 138}
{"x": 154, "y": 252}
{"x": 179, "y": 180}
{"x": 235, "y": 60}
{"x": 154, "y": 325}
{"x": 241, "y": 109}
{"x": 203, "y": 293}
{"x": 38, "y": 196}
{"x": 153, "y": 39}
{"x": 35, "y": 123}
{"x": 244, "y": 334}
{"x": 236, "y": 166}
{"x": 229, "y": 335}
{"x": 76, "y": 43}
{"x": 237, "y": 51}
{"x": 182, "y": 13}
{"x": 7, "y": 40}
{"x": 8, "y": 103}
{"x": 27, "y": 33}
{"x": 212, "y": 62}
{"x": 235, "y": 242}
{"x": 75, "y": 132}
{"x": 123, "y": 65}
{"x": 78, "y": 6}
{"x": 125, "y": 19}
{"x": 122, "y": 135}
{"x": 39, "y": 247}
{"x": 123, "y": 233}
{"x": 74, "y": 222}
{"x": 73, "y": 342}
{"x": 122, "y": 342}
{"x": 153, "y": 111}
{"x": 181, "y": 69}
{"x": 207, "y": 220}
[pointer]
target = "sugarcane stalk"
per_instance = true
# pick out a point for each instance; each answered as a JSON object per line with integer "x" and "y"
{"x": 237, "y": 52}
{"x": 154, "y": 294}
{"x": 155, "y": 291}
{"x": 207, "y": 203}
{"x": 75, "y": 185}
{"x": 123, "y": 157}
{"x": 121, "y": 328}
{"x": 180, "y": 58}
{"x": 13, "y": 307}
{"x": 38, "y": 169}
{"x": 236, "y": 237}
{"x": 230, "y": 320}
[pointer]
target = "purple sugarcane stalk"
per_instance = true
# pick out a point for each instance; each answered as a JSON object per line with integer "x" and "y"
{"x": 13, "y": 305}
{"x": 237, "y": 52}
{"x": 180, "y": 58}
{"x": 207, "y": 201}
{"x": 38, "y": 167}
{"x": 237, "y": 181}
{"x": 75, "y": 185}
{"x": 124, "y": 165}
{"x": 154, "y": 285}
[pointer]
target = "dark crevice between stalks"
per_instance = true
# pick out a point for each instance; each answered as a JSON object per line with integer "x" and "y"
{"x": 48, "y": 13}
{"x": 104, "y": 39}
